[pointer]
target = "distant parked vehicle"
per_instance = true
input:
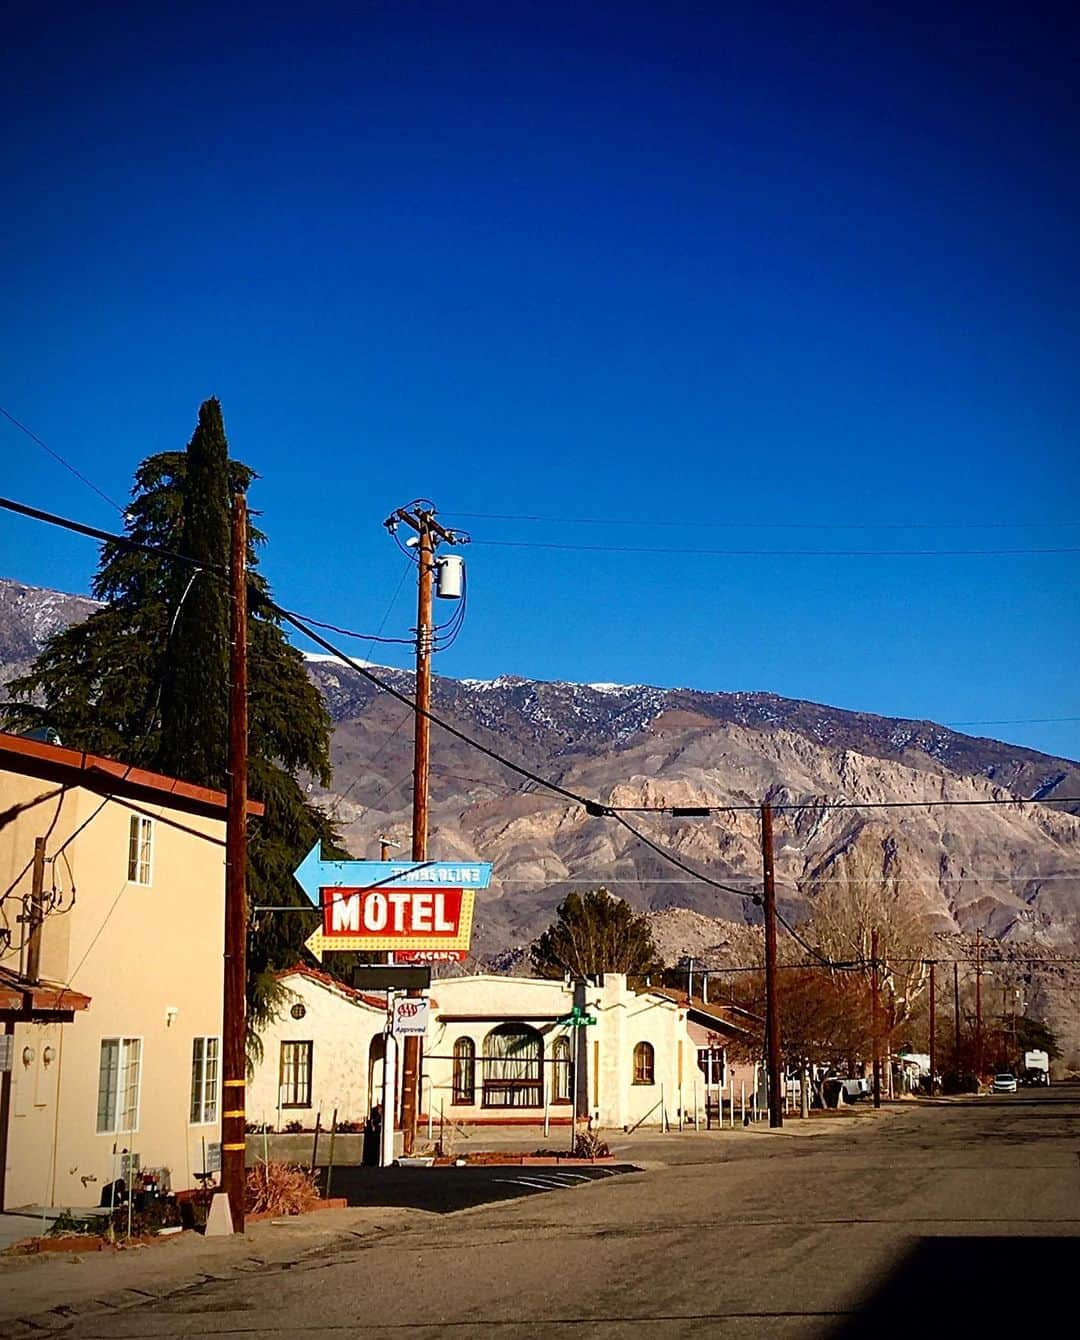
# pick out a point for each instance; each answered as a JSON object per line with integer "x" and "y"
{"x": 1036, "y": 1068}
{"x": 1004, "y": 1083}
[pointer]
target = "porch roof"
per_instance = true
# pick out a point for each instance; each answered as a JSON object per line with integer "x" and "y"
{"x": 23, "y": 1001}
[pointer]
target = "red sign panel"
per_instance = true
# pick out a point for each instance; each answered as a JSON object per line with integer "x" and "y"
{"x": 430, "y": 955}
{"x": 399, "y": 919}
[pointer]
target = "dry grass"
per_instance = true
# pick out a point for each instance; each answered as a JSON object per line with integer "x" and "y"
{"x": 280, "y": 1188}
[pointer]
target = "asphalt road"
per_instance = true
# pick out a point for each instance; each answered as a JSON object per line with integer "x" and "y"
{"x": 447, "y": 1190}
{"x": 954, "y": 1219}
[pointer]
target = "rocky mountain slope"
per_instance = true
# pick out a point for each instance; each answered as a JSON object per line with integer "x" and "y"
{"x": 1012, "y": 871}
{"x": 28, "y": 615}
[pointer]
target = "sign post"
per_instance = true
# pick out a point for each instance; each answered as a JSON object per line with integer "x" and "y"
{"x": 389, "y": 1099}
{"x": 418, "y": 912}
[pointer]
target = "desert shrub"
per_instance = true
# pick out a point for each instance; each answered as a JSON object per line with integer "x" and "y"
{"x": 293, "y": 1127}
{"x": 66, "y": 1224}
{"x": 588, "y": 1145}
{"x": 280, "y": 1188}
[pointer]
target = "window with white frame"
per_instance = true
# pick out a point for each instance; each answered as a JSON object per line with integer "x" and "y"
{"x": 140, "y": 849}
{"x": 711, "y": 1064}
{"x": 119, "y": 1082}
{"x": 204, "y": 1080}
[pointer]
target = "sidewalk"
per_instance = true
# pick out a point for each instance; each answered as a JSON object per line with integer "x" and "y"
{"x": 44, "y": 1292}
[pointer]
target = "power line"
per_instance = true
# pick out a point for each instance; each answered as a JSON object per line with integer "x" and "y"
{"x": 595, "y": 809}
{"x": 1015, "y": 721}
{"x": 677, "y": 861}
{"x": 301, "y": 626}
{"x": 107, "y": 537}
{"x": 370, "y": 638}
{"x": 704, "y": 811}
{"x": 770, "y": 525}
{"x": 689, "y": 551}
{"x": 57, "y": 457}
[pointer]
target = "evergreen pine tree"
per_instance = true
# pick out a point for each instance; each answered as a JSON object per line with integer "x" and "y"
{"x": 194, "y": 685}
{"x": 145, "y": 680}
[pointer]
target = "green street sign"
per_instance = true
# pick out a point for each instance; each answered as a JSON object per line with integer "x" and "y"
{"x": 577, "y": 1018}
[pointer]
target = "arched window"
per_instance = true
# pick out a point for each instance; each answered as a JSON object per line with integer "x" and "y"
{"x": 644, "y": 1059}
{"x": 560, "y": 1070}
{"x": 513, "y": 1058}
{"x": 464, "y": 1072}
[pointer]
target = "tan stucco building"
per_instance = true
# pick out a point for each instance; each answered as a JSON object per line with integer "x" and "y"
{"x": 133, "y": 916}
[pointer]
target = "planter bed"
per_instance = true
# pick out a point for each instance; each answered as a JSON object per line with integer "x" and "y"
{"x": 496, "y": 1160}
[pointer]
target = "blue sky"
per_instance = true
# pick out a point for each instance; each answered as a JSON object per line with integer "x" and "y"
{"x": 734, "y": 279}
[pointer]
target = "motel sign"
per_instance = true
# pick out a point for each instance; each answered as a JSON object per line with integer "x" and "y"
{"x": 424, "y": 909}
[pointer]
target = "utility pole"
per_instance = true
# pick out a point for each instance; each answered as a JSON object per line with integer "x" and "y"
{"x": 34, "y": 916}
{"x": 978, "y": 1005}
{"x": 420, "y": 517}
{"x": 233, "y": 1027}
{"x": 933, "y": 1027}
{"x": 772, "y": 1009}
{"x": 875, "y": 1014}
{"x": 956, "y": 1014}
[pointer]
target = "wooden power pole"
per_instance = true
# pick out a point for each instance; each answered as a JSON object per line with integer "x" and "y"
{"x": 875, "y": 1014}
{"x": 234, "y": 1009}
{"x": 421, "y": 518}
{"x": 772, "y": 1009}
{"x": 956, "y": 1014}
{"x": 933, "y": 1026}
{"x": 978, "y": 1005}
{"x": 35, "y": 913}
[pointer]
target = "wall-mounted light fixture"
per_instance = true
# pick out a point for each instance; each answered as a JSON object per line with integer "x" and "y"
{"x": 171, "y": 1011}
{"x": 48, "y": 1055}
{"x": 28, "y": 1056}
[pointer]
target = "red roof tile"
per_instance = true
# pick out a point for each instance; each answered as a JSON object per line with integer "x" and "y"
{"x": 377, "y": 1002}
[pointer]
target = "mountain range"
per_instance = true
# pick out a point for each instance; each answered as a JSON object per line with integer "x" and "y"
{"x": 1009, "y": 870}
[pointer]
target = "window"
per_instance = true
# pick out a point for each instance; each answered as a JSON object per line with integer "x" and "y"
{"x": 119, "y": 1076}
{"x": 513, "y": 1056}
{"x": 295, "y": 1076}
{"x": 711, "y": 1064}
{"x": 204, "y": 1080}
{"x": 560, "y": 1070}
{"x": 464, "y": 1072}
{"x": 644, "y": 1059}
{"x": 140, "y": 847}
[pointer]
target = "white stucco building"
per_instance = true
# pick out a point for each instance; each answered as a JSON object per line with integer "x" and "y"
{"x": 507, "y": 1050}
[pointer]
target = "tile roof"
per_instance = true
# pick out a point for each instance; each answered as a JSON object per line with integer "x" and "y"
{"x": 732, "y": 1017}
{"x": 105, "y": 774}
{"x": 375, "y": 1001}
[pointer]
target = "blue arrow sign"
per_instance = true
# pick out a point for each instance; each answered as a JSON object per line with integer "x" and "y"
{"x": 313, "y": 874}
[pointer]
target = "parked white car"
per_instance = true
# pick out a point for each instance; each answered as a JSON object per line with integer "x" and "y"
{"x": 1004, "y": 1084}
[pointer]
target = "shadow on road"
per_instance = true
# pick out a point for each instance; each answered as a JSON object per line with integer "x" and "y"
{"x": 959, "y": 1287}
{"x": 445, "y": 1190}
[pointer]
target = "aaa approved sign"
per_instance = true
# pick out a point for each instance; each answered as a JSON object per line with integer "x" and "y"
{"x": 410, "y": 1017}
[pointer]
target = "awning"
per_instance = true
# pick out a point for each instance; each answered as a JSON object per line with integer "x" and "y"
{"x": 23, "y": 1001}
